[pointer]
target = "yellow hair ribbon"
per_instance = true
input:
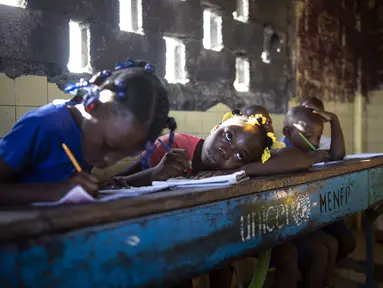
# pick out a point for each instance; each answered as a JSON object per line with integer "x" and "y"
{"x": 272, "y": 136}
{"x": 252, "y": 121}
{"x": 266, "y": 155}
{"x": 257, "y": 119}
{"x": 260, "y": 116}
{"x": 227, "y": 115}
{"x": 278, "y": 145}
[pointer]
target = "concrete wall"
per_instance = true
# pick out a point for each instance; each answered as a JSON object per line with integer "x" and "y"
{"x": 35, "y": 41}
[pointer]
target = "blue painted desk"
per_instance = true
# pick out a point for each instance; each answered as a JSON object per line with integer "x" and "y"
{"x": 173, "y": 235}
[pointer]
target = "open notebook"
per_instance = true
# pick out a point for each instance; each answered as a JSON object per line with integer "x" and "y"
{"x": 175, "y": 183}
{"x": 79, "y": 196}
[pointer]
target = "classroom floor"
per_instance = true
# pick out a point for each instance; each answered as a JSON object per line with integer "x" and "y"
{"x": 351, "y": 272}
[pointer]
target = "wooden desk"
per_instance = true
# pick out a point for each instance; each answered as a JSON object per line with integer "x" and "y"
{"x": 176, "y": 234}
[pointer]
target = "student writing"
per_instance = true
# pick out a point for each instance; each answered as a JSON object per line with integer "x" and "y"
{"x": 122, "y": 112}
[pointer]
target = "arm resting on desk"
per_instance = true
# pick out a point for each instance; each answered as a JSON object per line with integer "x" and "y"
{"x": 337, "y": 149}
{"x": 138, "y": 179}
{"x": 24, "y": 193}
{"x": 14, "y": 193}
{"x": 279, "y": 163}
{"x": 285, "y": 160}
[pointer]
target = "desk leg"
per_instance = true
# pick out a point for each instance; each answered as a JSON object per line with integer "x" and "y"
{"x": 369, "y": 233}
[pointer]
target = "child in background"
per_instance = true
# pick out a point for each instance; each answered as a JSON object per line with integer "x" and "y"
{"x": 240, "y": 142}
{"x": 122, "y": 112}
{"x": 339, "y": 230}
{"x": 309, "y": 123}
{"x": 316, "y": 104}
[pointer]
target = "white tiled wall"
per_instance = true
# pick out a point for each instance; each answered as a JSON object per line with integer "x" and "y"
{"x": 31, "y": 91}
{"x": 7, "y": 91}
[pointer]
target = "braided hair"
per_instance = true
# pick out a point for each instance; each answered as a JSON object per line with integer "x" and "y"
{"x": 137, "y": 89}
{"x": 268, "y": 140}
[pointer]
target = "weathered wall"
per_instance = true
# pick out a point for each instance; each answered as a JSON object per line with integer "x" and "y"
{"x": 35, "y": 41}
{"x": 328, "y": 49}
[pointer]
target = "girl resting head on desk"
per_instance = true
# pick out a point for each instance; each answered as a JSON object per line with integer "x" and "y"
{"x": 239, "y": 142}
{"x": 121, "y": 113}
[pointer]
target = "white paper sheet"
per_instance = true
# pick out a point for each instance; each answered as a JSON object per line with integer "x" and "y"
{"x": 112, "y": 194}
{"x": 78, "y": 195}
{"x": 210, "y": 181}
{"x": 363, "y": 156}
{"x": 321, "y": 164}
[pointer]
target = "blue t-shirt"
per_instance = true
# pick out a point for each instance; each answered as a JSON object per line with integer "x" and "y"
{"x": 286, "y": 141}
{"x": 34, "y": 145}
{"x": 324, "y": 144}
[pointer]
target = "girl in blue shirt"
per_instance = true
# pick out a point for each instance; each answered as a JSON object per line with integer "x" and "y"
{"x": 122, "y": 113}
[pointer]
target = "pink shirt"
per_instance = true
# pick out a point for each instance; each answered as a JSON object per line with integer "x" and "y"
{"x": 181, "y": 141}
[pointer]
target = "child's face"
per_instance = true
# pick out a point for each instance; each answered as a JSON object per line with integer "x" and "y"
{"x": 231, "y": 146}
{"x": 311, "y": 130}
{"x": 110, "y": 136}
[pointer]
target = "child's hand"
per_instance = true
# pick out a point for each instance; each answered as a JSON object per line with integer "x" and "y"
{"x": 114, "y": 183}
{"x": 175, "y": 163}
{"x": 86, "y": 180}
{"x": 319, "y": 156}
{"x": 326, "y": 116}
{"x": 207, "y": 174}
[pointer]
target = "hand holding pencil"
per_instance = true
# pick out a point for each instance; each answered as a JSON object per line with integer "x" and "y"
{"x": 86, "y": 180}
{"x": 175, "y": 163}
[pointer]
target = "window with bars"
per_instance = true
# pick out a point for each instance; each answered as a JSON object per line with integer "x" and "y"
{"x": 131, "y": 16}
{"x": 242, "y": 11}
{"x": 212, "y": 31}
{"x": 242, "y": 78}
{"x": 175, "y": 61}
{"x": 78, "y": 48}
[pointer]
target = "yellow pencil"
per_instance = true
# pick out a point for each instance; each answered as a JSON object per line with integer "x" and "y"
{"x": 71, "y": 157}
